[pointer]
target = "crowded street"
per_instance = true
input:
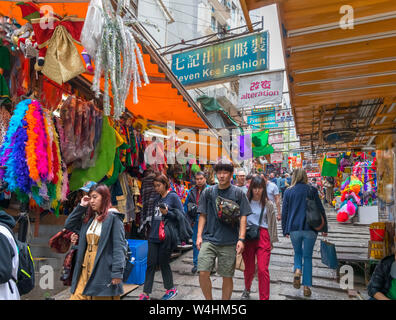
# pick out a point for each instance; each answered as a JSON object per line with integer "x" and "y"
{"x": 228, "y": 150}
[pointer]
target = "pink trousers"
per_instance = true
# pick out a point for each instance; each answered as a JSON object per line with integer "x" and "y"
{"x": 262, "y": 249}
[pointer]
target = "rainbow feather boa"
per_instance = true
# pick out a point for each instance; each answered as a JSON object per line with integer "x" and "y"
{"x": 32, "y": 156}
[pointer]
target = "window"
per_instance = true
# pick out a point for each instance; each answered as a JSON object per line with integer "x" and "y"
{"x": 214, "y": 23}
{"x": 233, "y": 12}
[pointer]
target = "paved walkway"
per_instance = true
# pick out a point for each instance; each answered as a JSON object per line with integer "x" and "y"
{"x": 351, "y": 240}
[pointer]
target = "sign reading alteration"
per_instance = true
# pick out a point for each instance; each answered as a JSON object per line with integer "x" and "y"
{"x": 223, "y": 60}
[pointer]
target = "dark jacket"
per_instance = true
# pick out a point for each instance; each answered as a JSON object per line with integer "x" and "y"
{"x": 176, "y": 225}
{"x": 192, "y": 198}
{"x": 381, "y": 279}
{"x": 110, "y": 258}
{"x": 294, "y": 209}
{"x": 6, "y": 250}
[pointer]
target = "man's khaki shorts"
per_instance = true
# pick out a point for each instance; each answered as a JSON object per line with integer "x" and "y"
{"x": 226, "y": 256}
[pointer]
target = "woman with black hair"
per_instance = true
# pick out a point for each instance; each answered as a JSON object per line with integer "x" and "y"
{"x": 261, "y": 247}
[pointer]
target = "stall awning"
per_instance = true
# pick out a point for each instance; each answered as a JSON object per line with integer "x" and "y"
{"x": 161, "y": 100}
{"x": 342, "y": 80}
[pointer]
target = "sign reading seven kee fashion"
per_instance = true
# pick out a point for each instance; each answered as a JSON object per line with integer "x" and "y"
{"x": 223, "y": 60}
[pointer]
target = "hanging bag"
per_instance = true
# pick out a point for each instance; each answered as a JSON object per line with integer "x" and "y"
{"x": 68, "y": 267}
{"x": 313, "y": 215}
{"x": 328, "y": 254}
{"x": 253, "y": 231}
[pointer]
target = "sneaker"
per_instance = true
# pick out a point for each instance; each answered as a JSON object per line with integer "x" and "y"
{"x": 144, "y": 297}
{"x": 194, "y": 270}
{"x": 170, "y": 294}
{"x": 245, "y": 295}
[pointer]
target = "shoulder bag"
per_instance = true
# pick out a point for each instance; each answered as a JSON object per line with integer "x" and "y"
{"x": 227, "y": 210}
{"x": 313, "y": 215}
{"x": 253, "y": 231}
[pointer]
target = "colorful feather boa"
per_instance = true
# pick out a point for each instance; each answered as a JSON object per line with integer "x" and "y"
{"x": 32, "y": 142}
{"x": 15, "y": 123}
{"x": 32, "y": 156}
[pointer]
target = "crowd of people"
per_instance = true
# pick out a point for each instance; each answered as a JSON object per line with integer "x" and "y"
{"x": 225, "y": 219}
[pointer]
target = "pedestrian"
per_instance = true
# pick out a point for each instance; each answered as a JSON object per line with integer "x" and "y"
{"x": 329, "y": 184}
{"x": 260, "y": 248}
{"x": 216, "y": 238}
{"x": 295, "y": 226}
{"x": 382, "y": 285}
{"x": 272, "y": 178}
{"x": 160, "y": 250}
{"x": 315, "y": 184}
{"x": 282, "y": 185}
{"x": 240, "y": 179}
{"x": 102, "y": 247}
{"x": 274, "y": 196}
{"x": 9, "y": 260}
{"x": 191, "y": 208}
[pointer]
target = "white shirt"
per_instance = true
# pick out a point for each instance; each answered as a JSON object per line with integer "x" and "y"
{"x": 95, "y": 227}
{"x": 253, "y": 219}
{"x": 272, "y": 191}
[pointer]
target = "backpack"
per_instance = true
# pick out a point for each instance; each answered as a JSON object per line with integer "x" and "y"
{"x": 25, "y": 277}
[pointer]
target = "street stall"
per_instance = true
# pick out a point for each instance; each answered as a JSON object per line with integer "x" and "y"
{"x": 68, "y": 118}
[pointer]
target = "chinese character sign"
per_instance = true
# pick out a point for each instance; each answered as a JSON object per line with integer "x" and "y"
{"x": 223, "y": 60}
{"x": 261, "y": 89}
{"x": 283, "y": 116}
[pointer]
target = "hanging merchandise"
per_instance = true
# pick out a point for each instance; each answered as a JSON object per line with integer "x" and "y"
{"x": 4, "y": 121}
{"x": 31, "y": 156}
{"x": 110, "y": 40}
{"x": 62, "y": 61}
{"x": 329, "y": 167}
{"x": 104, "y": 161}
{"x": 80, "y": 127}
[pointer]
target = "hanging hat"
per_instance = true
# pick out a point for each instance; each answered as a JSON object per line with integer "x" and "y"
{"x": 88, "y": 186}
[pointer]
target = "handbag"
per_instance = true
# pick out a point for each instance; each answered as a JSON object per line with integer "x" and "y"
{"x": 68, "y": 267}
{"x": 161, "y": 231}
{"x": 192, "y": 212}
{"x": 328, "y": 254}
{"x": 239, "y": 264}
{"x": 253, "y": 231}
{"x": 129, "y": 264}
{"x": 313, "y": 215}
{"x": 60, "y": 242}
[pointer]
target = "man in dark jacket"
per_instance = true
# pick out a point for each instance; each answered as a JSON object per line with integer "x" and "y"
{"x": 382, "y": 285}
{"x": 190, "y": 207}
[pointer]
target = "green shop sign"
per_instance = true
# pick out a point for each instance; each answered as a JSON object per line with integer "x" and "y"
{"x": 224, "y": 60}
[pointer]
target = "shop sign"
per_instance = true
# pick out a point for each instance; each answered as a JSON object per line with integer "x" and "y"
{"x": 276, "y": 140}
{"x": 283, "y": 116}
{"x": 262, "y": 89}
{"x": 313, "y": 174}
{"x": 277, "y": 157}
{"x": 224, "y": 60}
{"x": 263, "y": 118}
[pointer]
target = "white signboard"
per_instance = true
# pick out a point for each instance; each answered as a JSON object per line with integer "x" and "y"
{"x": 262, "y": 89}
{"x": 283, "y": 116}
{"x": 277, "y": 157}
{"x": 276, "y": 140}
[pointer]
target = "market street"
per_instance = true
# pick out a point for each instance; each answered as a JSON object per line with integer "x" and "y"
{"x": 349, "y": 239}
